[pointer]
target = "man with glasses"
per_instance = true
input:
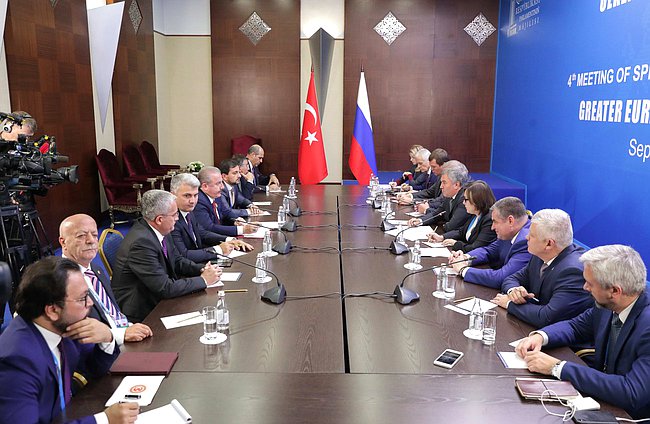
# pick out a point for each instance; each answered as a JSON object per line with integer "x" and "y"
{"x": 148, "y": 267}
{"x": 246, "y": 186}
{"x": 49, "y": 340}
{"x": 78, "y": 239}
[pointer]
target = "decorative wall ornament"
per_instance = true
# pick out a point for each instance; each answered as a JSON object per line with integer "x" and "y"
{"x": 135, "y": 15}
{"x": 479, "y": 29}
{"x": 389, "y": 28}
{"x": 254, "y": 28}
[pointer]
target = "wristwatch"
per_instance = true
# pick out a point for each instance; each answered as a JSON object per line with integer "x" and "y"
{"x": 555, "y": 371}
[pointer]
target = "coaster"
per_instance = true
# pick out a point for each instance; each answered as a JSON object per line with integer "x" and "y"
{"x": 270, "y": 254}
{"x": 412, "y": 267}
{"x": 219, "y": 339}
{"x": 478, "y": 336}
{"x": 262, "y": 281}
{"x": 439, "y": 294}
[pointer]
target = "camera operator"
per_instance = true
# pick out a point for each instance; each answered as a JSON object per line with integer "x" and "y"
{"x": 18, "y": 123}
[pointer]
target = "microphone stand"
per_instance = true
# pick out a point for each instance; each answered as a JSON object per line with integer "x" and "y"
{"x": 406, "y": 296}
{"x": 282, "y": 247}
{"x": 275, "y": 295}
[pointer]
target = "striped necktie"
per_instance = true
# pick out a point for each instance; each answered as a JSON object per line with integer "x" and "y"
{"x": 216, "y": 210}
{"x": 105, "y": 301}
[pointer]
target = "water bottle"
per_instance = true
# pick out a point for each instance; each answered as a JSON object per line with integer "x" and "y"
{"x": 476, "y": 321}
{"x": 285, "y": 204}
{"x": 223, "y": 316}
{"x": 282, "y": 216}
{"x": 400, "y": 234}
{"x": 292, "y": 187}
{"x": 267, "y": 189}
{"x": 417, "y": 253}
{"x": 371, "y": 182}
{"x": 260, "y": 268}
{"x": 442, "y": 279}
{"x": 266, "y": 243}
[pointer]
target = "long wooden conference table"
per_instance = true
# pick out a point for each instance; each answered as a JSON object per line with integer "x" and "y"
{"x": 332, "y": 359}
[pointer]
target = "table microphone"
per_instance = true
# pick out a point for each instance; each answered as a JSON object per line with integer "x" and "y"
{"x": 282, "y": 247}
{"x": 295, "y": 211}
{"x": 387, "y": 226}
{"x": 289, "y": 225}
{"x": 406, "y": 296}
{"x": 397, "y": 248}
{"x": 276, "y": 295}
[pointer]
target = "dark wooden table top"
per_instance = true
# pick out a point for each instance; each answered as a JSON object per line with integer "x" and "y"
{"x": 331, "y": 360}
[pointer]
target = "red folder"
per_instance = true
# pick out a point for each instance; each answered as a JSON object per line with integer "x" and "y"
{"x": 144, "y": 363}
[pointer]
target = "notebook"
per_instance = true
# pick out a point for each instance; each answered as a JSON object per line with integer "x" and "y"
{"x": 144, "y": 363}
{"x": 532, "y": 388}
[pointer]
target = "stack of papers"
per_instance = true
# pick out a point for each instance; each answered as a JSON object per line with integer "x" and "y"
{"x": 172, "y": 413}
{"x": 465, "y": 307}
{"x": 182, "y": 320}
{"x": 136, "y": 388}
{"x": 257, "y": 234}
{"x": 412, "y": 234}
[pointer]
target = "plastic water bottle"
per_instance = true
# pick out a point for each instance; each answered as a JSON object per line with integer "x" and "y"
{"x": 371, "y": 182}
{"x": 260, "y": 268}
{"x": 292, "y": 187}
{"x": 476, "y": 321}
{"x": 285, "y": 204}
{"x": 442, "y": 279}
{"x": 267, "y": 189}
{"x": 223, "y": 316}
{"x": 266, "y": 243}
{"x": 282, "y": 216}
{"x": 417, "y": 253}
{"x": 400, "y": 234}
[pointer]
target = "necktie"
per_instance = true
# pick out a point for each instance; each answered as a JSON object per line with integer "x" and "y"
{"x": 614, "y": 331}
{"x": 216, "y": 210}
{"x": 542, "y": 271}
{"x": 65, "y": 374}
{"x": 189, "y": 227}
{"x": 164, "y": 247}
{"x": 107, "y": 305}
{"x": 232, "y": 197}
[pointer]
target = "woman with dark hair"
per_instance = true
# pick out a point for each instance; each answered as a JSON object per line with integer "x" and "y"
{"x": 478, "y": 231}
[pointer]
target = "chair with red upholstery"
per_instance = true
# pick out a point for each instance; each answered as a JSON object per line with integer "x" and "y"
{"x": 135, "y": 168}
{"x": 239, "y": 145}
{"x": 150, "y": 159}
{"x": 123, "y": 194}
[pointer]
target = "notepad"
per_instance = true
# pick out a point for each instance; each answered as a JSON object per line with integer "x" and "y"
{"x": 172, "y": 413}
{"x": 533, "y": 388}
{"x": 512, "y": 360}
{"x": 144, "y": 363}
{"x": 182, "y": 320}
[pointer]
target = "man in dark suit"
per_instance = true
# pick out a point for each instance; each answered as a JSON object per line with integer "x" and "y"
{"x": 452, "y": 213}
{"x": 49, "y": 340}
{"x": 255, "y": 158}
{"x": 209, "y": 210}
{"x": 78, "y": 239}
{"x": 506, "y": 255}
{"x": 549, "y": 288}
{"x": 424, "y": 177}
{"x": 191, "y": 239}
{"x": 234, "y": 204}
{"x": 618, "y": 326}
{"x": 246, "y": 186}
{"x": 432, "y": 196}
{"x": 148, "y": 266}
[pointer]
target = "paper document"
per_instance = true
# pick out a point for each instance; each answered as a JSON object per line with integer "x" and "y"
{"x": 136, "y": 388}
{"x": 273, "y": 225}
{"x": 433, "y": 244}
{"x": 412, "y": 234}
{"x": 228, "y": 277}
{"x": 516, "y": 342}
{"x": 262, "y": 213}
{"x": 236, "y": 253}
{"x": 172, "y": 413}
{"x": 435, "y": 252}
{"x": 466, "y": 307}
{"x": 414, "y": 214}
{"x": 182, "y": 320}
{"x": 257, "y": 234}
{"x": 403, "y": 222}
{"x": 215, "y": 284}
{"x": 512, "y": 360}
{"x": 262, "y": 203}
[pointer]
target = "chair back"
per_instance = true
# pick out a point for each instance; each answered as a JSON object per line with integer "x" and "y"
{"x": 109, "y": 171}
{"x": 133, "y": 162}
{"x": 239, "y": 145}
{"x": 109, "y": 243}
{"x": 149, "y": 156}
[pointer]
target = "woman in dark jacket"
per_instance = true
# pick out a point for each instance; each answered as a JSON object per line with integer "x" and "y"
{"x": 478, "y": 230}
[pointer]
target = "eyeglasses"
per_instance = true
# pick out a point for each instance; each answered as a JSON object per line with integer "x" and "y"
{"x": 465, "y": 199}
{"x": 171, "y": 215}
{"x": 83, "y": 300}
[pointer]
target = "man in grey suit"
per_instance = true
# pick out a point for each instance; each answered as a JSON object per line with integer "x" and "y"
{"x": 148, "y": 267}
{"x": 78, "y": 239}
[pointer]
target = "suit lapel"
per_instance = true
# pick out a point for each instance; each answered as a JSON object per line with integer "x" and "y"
{"x": 627, "y": 328}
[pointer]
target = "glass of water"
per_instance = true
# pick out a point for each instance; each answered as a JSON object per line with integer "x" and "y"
{"x": 489, "y": 327}
{"x": 210, "y": 323}
{"x": 449, "y": 286}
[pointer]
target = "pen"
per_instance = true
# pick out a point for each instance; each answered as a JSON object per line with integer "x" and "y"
{"x": 464, "y": 299}
{"x": 131, "y": 396}
{"x": 190, "y": 317}
{"x": 236, "y": 291}
{"x": 435, "y": 229}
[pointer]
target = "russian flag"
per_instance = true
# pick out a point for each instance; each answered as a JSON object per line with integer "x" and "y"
{"x": 362, "y": 152}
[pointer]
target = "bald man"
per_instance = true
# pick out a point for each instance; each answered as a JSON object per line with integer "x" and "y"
{"x": 78, "y": 239}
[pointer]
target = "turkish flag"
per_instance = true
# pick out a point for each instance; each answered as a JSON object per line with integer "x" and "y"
{"x": 312, "y": 165}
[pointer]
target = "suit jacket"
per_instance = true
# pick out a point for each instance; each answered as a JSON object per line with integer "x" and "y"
{"x": 247, "y": 189}
{"x": 504, "y": 258}
{"x": 560, "y": 292}
{"x": 626, "y": 383}
{"x": 230, "y": 213}
{"x": 143, "y": 275}
{"x": 29, "y": 390}
{"x": 422, "y": 181}
{"x": 195, "y": 250}
{"x": 454, "y": 213}
{"x": 204, "y": 214}
{"x": 431, "y": 192}
{"x": 482, "y": 235}
{"x": 260, "y": 179}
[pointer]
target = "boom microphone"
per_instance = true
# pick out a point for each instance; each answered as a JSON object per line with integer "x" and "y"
{"x": 275, "y": 295}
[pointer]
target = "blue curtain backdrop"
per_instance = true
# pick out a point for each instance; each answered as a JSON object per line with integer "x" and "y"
{"x": 554, "y": 57}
